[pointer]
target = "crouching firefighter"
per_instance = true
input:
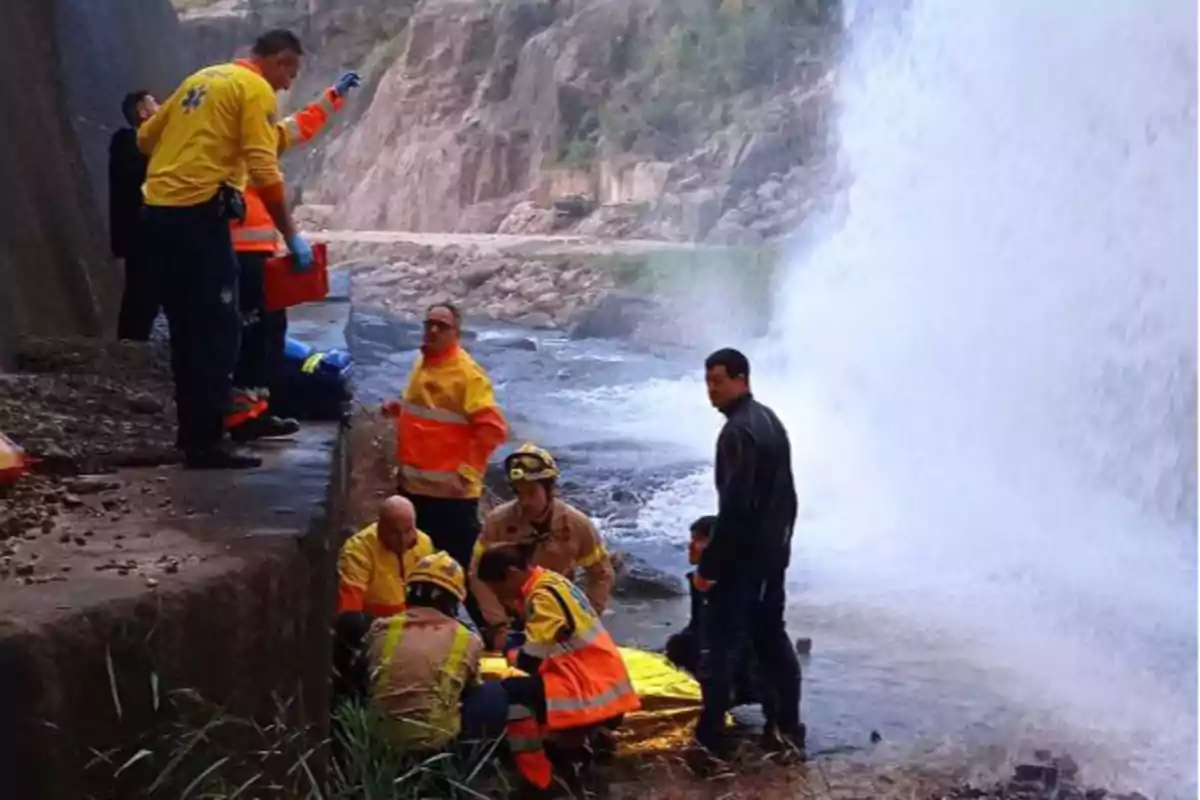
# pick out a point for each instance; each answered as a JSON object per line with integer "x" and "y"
{"x": 560, "y": 538}
{"x": 424, "y": 666}
{"x": 576, "y": 682}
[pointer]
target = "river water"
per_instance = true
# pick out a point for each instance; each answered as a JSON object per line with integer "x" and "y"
{"x": 987, "y": 363}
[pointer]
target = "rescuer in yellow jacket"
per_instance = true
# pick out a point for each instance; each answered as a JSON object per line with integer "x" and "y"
{"x": 217, "y": 120}
{"x": 255, "y": 240}
{"x": 448, "y": 426}
{"x": 374, "y": 564}
{"x": 562, "y": 538}
{"x": 576, "y": 677}
{"x": 424, "y": 666}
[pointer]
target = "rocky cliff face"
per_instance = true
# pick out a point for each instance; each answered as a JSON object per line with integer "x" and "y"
{"x": 65, "y": 64}
{"x": 533, "y": 116}
{"x": 366, "y": 35}
{"x": 676, "y": 119}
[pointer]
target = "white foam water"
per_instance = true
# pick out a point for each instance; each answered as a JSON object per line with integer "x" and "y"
{"x": 989, "y": 369}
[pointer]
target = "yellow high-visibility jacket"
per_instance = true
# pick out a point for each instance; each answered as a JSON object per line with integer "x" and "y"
{"x": 371, "y": 578}
{"x": 449, "y": 425}
{"x": 218, "y": 119}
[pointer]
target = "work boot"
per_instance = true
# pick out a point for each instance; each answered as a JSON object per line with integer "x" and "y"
{"x": 789, "y": 743}
{"x": 219, "y": 457}
{"x": 267, "y": 426}
{"x": 707, "y": 762}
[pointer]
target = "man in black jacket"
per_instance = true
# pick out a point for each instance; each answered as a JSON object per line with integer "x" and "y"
{"x": 126, "y": 174}
{"x": 743, "y": 569}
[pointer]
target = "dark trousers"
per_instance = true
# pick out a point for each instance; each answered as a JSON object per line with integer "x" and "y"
{"x": 683, "y": 650}
{"x": 140, "y": 298}
{"x": 263, "y": 332}
{"x": 484, "y": 712}
{"x": 453, "y": 525}
{"x": 742, "y": 613}
{"x": 527, "y": 691}
{"x": 190, "y": 249}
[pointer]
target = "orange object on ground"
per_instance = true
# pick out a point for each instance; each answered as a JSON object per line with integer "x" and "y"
{"x": 243, "y": 407}
{"x": 13, "y": 463}
{"x": 283, "y": 287}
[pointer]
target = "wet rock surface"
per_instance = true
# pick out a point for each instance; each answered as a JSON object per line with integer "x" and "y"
{"x": 636, "y": 579}
{"x": 1046, "y": 777}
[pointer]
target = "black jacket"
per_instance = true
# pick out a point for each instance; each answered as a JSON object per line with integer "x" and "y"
{"x": 126, "y": 174}
{"x": 756, "y": 495}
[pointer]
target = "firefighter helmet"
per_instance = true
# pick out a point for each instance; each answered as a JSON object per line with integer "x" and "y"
{"x": 441, "y": 570}
{"x": 530, "y": 463}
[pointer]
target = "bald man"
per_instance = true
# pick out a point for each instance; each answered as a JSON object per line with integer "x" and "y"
{"x": 374, "y": 562}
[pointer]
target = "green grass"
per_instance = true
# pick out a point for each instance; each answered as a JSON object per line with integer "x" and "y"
{"x": 200, "y": 751}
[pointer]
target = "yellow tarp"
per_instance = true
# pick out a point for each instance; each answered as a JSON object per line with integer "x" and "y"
{"x": 670, "y": 700}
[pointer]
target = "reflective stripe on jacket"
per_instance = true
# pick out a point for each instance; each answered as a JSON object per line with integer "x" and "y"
{"x": 449, "y": 425}
{"x": 524, "y": 737}
{"x": 585, "y": 678}
{"x": 257, "y": 234}
{"x": 570, "y": 544}
{"x": 371, "y": 577}
{"x": 421, "y": 660}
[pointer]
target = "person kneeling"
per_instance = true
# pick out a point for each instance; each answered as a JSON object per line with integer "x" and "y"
{"x": 683, "y": 648}
{"x": 576, "y": 680}
{"x": 424, "y": 666}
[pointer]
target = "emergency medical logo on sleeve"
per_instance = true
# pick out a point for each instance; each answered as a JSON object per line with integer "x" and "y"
{"x": 194, "y": 97}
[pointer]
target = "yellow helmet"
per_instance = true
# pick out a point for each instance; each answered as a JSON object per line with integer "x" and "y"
{"x": 443, "y": 571}
{"x": 530, "y": 463}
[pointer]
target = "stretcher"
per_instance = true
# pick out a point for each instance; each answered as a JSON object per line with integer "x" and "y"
{"x": 670, "y": 701}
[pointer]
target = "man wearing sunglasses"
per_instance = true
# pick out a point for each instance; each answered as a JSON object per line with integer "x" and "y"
{"x": 448, "y": 426}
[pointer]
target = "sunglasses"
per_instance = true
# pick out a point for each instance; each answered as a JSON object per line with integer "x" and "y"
{"x": 437, "y": 325}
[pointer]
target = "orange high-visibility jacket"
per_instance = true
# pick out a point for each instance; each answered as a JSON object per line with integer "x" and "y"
{"x": 449, "y": 425}
{"x": 257, "y": 234}
{"x": 585, "y": 678}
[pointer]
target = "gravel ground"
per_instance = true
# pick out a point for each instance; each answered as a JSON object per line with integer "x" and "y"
{"x": 81, "y": 409}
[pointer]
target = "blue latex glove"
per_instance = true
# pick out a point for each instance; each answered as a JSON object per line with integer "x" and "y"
{"x": 345, "y": 83}
{"x": 301, "y": 249}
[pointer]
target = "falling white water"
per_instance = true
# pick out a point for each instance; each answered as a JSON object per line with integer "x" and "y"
{"x": 989, "y": 369}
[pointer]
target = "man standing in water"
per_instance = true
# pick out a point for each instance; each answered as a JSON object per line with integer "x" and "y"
{"x": 743, "y": 569}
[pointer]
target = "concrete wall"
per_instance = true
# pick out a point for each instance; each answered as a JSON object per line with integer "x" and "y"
{"x": 64, "y": 65}
{"x": 243, "y": 625}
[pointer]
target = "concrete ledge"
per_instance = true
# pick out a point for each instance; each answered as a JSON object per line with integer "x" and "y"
{"x": 219, "y": 582}
{"x": 243, "y": 620}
